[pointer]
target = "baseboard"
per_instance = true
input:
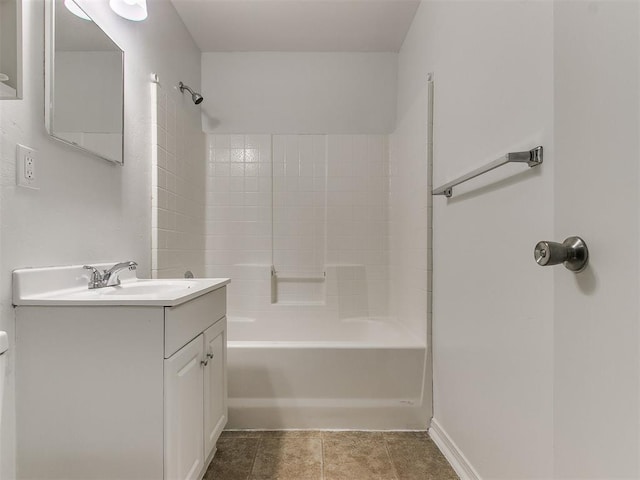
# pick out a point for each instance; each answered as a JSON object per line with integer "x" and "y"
{"x": 452, "y": 453}
{"x": 207, "y": 462}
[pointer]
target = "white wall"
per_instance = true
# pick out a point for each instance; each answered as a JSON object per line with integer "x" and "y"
{"x": 536, "y": 370}
{"x": 299, "y": 93}
{"x": 86, "y": 210}
{"x": 492, "y": 307}
{"x": 596, "y": 326}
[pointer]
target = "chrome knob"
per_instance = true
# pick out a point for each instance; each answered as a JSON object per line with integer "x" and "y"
{"x": 573, "y": 253}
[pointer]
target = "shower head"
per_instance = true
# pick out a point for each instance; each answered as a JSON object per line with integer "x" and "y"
{"x": 196, "y": 97}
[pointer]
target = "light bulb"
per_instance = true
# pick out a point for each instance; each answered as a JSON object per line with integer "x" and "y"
{"x": 135, "y": 10}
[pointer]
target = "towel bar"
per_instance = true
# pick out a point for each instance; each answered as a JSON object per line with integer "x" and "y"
{"x": 532, "y": 158}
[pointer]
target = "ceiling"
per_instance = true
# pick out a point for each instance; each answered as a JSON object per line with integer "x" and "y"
{"x": 297, "y": 25}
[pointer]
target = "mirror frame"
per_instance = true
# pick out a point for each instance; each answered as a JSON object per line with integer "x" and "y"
{"x": 49, "y": 81}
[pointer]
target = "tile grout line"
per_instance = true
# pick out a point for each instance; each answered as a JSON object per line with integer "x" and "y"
{"x": 393, "y": 465}
{"x": 322, "y": 457}
{"x": 255, "y": 455}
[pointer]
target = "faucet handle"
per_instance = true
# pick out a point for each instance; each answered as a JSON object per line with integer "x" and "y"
{"x": 96, "y": 276}
{"x": 94, "y": 270}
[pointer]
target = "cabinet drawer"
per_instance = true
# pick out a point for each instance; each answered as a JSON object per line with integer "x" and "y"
{"x": 187, "y": 321}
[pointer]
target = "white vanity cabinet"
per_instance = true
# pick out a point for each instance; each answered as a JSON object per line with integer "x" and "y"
{"x": 215, "y": 374}
{"x": 195, "y": 405}
{"x": 132, "y": 390}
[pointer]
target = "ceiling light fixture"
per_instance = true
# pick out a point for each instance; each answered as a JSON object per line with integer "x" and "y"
{"x": 135, "y": 10}
{"x": 76, "y": 10}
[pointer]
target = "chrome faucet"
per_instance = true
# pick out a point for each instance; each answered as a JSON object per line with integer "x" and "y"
{"x": 108, "y": 278}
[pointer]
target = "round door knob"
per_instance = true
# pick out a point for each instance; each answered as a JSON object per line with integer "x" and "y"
{"x": 550, "y": 253}
{"x": 573, "y": 253}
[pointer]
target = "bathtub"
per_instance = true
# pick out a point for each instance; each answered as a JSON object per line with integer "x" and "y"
{"x": 359, "y": 373}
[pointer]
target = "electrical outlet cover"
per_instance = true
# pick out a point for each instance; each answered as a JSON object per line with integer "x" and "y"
{"x": 26, "y": 167}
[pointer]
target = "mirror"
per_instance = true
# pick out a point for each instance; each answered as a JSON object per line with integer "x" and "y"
{"x": 10, "y": 49}
{"x": 84, "y": 72}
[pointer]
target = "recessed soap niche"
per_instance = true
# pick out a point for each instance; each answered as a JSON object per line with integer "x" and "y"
{"x": 10, "y": 49}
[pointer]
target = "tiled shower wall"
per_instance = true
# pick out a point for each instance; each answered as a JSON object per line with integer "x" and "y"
{"x": 299, "y": 201}
{"x": 178, "y": 192}
{"x": 357, "y": 222}
{"x": 238, "y": 218}
{"x": 312, "y": 206}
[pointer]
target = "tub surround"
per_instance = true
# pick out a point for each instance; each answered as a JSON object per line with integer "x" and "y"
{"x": 178, "y": 174}
{"x": 300, "y": 222}
{"x": 305, "y": 206}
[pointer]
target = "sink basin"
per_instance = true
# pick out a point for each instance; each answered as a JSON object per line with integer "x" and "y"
{"x": 139, "y": 289}
{"x": 148, "y": 287}
{"x": 68, "y": 286}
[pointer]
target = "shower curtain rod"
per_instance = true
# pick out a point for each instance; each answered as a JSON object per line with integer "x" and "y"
{"x": 533, "y": 158}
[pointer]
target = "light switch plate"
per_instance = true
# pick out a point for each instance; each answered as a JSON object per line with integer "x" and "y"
{"x": 26, "y": 167}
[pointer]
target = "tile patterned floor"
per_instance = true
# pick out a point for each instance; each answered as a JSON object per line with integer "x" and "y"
{"x": 321, "y": 455}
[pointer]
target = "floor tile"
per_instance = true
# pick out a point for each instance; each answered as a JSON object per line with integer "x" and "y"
{"x": 416, "y": 458}
{"x": 288, "y": 459}
{"x": 241, "y": 434}
{"x": 400, "y": 435}
{"x": 356, "y": 455}
{"x": 233, "y": 460}
{"x": 327, "y": 455}
{"x": 293, "y": 433}
{"x": 352, "y": 435}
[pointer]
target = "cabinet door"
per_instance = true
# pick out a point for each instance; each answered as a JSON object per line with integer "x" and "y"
{"x": 183, "y": 438}
{"x": 215, "y": 384}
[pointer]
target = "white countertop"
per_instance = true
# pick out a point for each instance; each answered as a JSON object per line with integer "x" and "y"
{"x": 68, "y": 286}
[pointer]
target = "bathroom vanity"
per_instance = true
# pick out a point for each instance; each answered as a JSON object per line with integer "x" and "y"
{"x": 125, "y": 382}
